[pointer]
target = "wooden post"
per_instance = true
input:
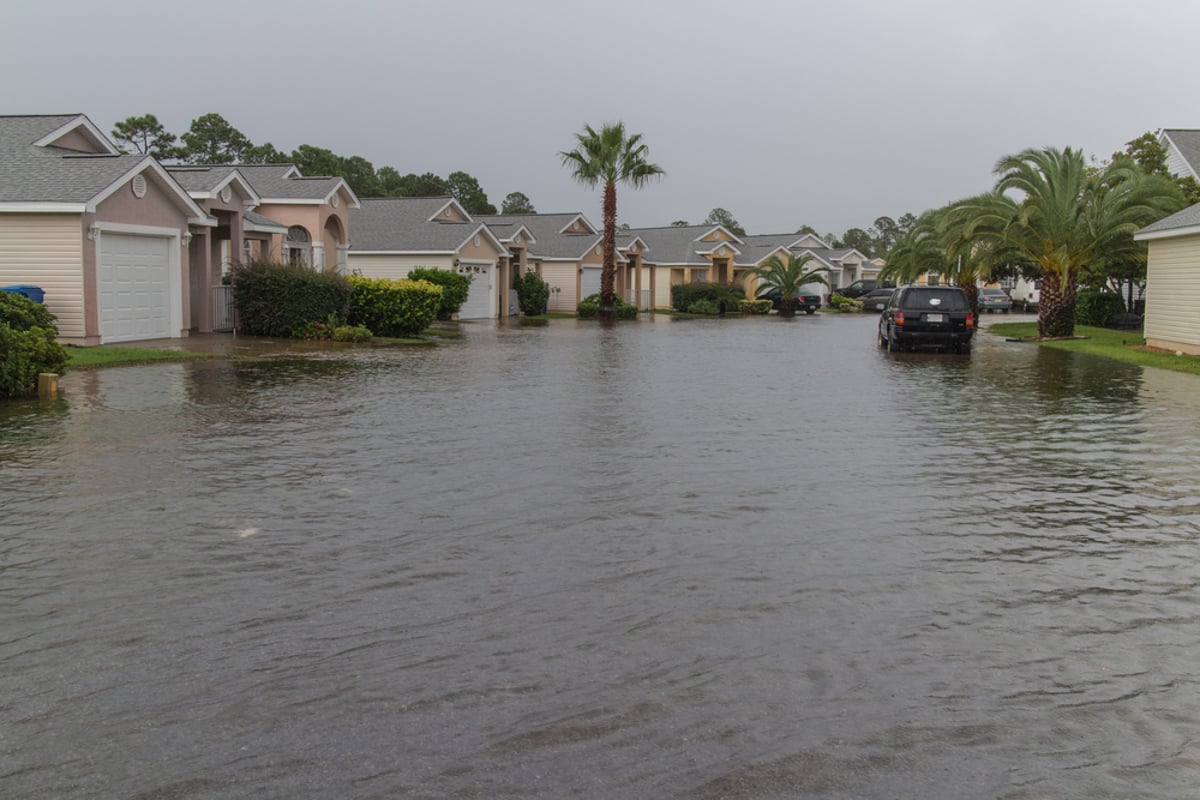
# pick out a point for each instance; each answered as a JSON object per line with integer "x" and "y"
{"x": 48, "y": 385}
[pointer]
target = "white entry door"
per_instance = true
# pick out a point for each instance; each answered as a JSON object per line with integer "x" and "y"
{"x": 135, "y": 288}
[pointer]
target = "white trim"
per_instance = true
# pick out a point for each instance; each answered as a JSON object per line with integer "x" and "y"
{"x": 148, "y": 163}
{"x": 700, "y": 238}
{"x": 529, "y": 237}
{"x": 290, "y": 201}
{"x": 824, "y": 244}
{"x": 174, "y": 267}
{"x": 354, "y": 252}
{"x": 292, "y": 172}
{"x": 1169, "y": 233}
{"x": 636, "y": 239}
{"x": 491, "y": 237}
{"x": 444, "y": 206}
{"x": 717, "y": 245}
{"x": 255, "y": 227}
{"x": 80, "y": 121}
{"x": 43, "y": 208}
{"x": 591, "y": 228}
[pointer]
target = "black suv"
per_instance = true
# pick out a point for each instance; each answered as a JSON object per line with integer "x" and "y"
{"x": 927, "y": 316}
{"x": 807, "y": 300}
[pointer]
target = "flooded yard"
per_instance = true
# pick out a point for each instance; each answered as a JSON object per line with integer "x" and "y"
{"x": 674, "y": 558}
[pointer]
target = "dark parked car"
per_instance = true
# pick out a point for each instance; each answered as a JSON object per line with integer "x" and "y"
{"x": 927, "y": 316}
{"x": 807, "y": 300}
{"x": 994, "y": 300}
{"x": 876, "y": 299}
{"x": 859, "y": 288}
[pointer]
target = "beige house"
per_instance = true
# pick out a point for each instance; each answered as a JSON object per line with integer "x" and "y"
{"x": 107, "y": 236}
{"x": 564, "y": 249}
{"x": 395, "y": 235}
{"x": 1173, "y": 281}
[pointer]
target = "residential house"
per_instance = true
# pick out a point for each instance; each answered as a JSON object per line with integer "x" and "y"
{"x": 1183, "y": 151}
{"x": 395, "y": 235}
{"x": 106, "y": 235}
{"x": 564, "y": 249}
{"x": 1173, "y": 281}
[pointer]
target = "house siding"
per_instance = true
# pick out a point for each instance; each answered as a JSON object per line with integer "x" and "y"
{"x": 565, "y": 277}
{"x": 396, "y": 267}
{"x": 46, "y": 250}
{"x": 1173, "y": 294}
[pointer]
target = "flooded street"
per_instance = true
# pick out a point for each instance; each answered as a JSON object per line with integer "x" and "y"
{"x": 741, "y": 558}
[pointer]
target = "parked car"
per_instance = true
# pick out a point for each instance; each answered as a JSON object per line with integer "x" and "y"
{"x": 808, "y": 300}
{"x": 876, "y": 299}
{"x": 861, "y": 287}
{"x": 994, "y": 300}
{"x": 927, "y": 316}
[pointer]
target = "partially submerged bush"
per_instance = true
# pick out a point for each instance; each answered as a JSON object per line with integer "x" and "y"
{"x": 394, "y": 308}
{"x": 684, "y": 295}
{"x": 589, "y": 308}
{"x": 28, "y": 345}
{"x": 704, "y": 306}
{"x": 532, "y": 293}
{"x": 351, "y": 333}
{"x": 279, "y": 299}
{"x": 845, "y": 305}
{"x": 455, "y": 288}
{"x": 754, "y": 306}
{"x": 1097, "y": 308}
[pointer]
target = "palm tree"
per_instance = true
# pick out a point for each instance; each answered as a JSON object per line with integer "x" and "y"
{"x": 1052, "y": 210}
{"x": 606, "y": 157}
{"x": 786, "y": 276}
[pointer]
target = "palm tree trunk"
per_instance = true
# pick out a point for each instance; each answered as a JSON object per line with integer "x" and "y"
{"x": 1056, "y": 307}
{"x": 972, "y": 292}
{"x": 608, "y": 273}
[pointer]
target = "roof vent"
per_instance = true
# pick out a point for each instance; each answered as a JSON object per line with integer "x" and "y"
{"x": 139, "y": 186}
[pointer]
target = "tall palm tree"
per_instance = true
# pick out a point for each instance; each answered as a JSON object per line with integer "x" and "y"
{"x": 1055, "y": 211}
{"x": 787, "y": 276}
{"x": 606, "y": 157}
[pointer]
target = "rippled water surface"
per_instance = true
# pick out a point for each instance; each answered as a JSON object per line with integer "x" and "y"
{"x": 693, "y": 559}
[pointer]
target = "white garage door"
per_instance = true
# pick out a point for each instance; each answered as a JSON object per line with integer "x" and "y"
{"x": 589, "y": 282}
{"x": 480, "y": 299}
{"x": 135, "y": 288}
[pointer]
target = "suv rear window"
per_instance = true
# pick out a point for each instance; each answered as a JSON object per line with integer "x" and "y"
{"x": 943, "y": 299}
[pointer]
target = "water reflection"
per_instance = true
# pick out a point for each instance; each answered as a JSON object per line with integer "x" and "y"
{"x": 695, "y": 559}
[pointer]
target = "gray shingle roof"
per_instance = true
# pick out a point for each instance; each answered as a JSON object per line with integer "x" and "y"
{"x": 200, "y": 178}
{"x": 32, "y": 174}
{"x": 1187, "y": 142}
{"x": 401, "y": 224}
{"x": 255, "y": 218}
{"x": 546, "y": 230}
{"x": 269, "y": 182}
{"x": 1188, "y": 218}
{"x": 674, "y": 244}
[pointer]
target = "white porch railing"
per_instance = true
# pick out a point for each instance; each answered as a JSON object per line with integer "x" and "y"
{"x": 224, "y": 314}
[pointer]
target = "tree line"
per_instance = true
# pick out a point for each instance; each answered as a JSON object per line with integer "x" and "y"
{"x": 211, "y": 139}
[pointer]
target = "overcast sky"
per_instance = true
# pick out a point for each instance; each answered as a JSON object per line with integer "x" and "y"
{"x": 785, "y": 113}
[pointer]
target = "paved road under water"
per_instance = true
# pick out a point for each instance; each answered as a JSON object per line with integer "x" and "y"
{"x": 693, "y": 559}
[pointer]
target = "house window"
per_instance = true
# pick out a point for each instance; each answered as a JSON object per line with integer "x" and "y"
{"x": 299, "y": 246}
{"x": 933, "y": 278}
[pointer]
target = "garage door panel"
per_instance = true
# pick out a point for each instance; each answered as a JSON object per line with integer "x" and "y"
{"x": 479, "y": 303}
{"x": 135, "y": 287}
{"x": 589, "y": 282}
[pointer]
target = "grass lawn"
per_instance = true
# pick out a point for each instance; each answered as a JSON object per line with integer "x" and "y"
{"x": 1122, "y": 345}
{"x": 111, "y": 355}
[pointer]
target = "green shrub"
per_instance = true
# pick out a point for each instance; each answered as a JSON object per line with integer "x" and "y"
{"x": 754, "y": 306}
{"x": 704, "y": 306}
{"x": 21, "y": 313}
{"x": 532, "y": 293}
{"x": 351, "y": 333}
{"x": 684, "y": 295}
{"x": 1097, "y": 308}
{"x": 278, "y": 299}
{"x": 314, "y": 332}
{"x": 25, "y": 353}
{"x": 845, "y": 305}
{"x": 590, "y": 307}
{"x": 455, "y": 288}
{"x": 394, "y": 308}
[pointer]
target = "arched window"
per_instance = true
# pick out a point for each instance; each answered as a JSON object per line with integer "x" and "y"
{"x": 298, "y": 246}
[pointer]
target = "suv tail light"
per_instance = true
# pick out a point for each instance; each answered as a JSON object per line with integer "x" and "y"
{"x": 899, "y": 320}
{"x": 970, "y": 320}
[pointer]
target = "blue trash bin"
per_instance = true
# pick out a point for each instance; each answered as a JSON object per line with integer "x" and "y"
{"x": 34, "y": 293}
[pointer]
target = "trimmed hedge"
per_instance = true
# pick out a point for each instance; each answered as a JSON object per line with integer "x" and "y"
{"x": 754, "y": 306}
{"x": 280, "y": 299}
{"x": 455, "y": 288}
{"x": 845, "y": 305}
{"x": 590, "y": 307}
{"x": 532, "y": 293}
{"x": 1097, "y": 308}
{"x": 27, "y": 345}
{"x": 685, "y": 295}
{"x": 393, "y": 308}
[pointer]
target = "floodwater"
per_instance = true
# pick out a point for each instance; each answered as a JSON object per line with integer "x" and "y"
{"x": 670, "y": 559}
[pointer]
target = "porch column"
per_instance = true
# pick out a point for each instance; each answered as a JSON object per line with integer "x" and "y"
{"x": 318, "y": 256}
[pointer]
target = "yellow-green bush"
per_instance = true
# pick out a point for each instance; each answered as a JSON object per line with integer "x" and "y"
{"x": 754, "y": 306}
{"x": 393, "y": 308}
